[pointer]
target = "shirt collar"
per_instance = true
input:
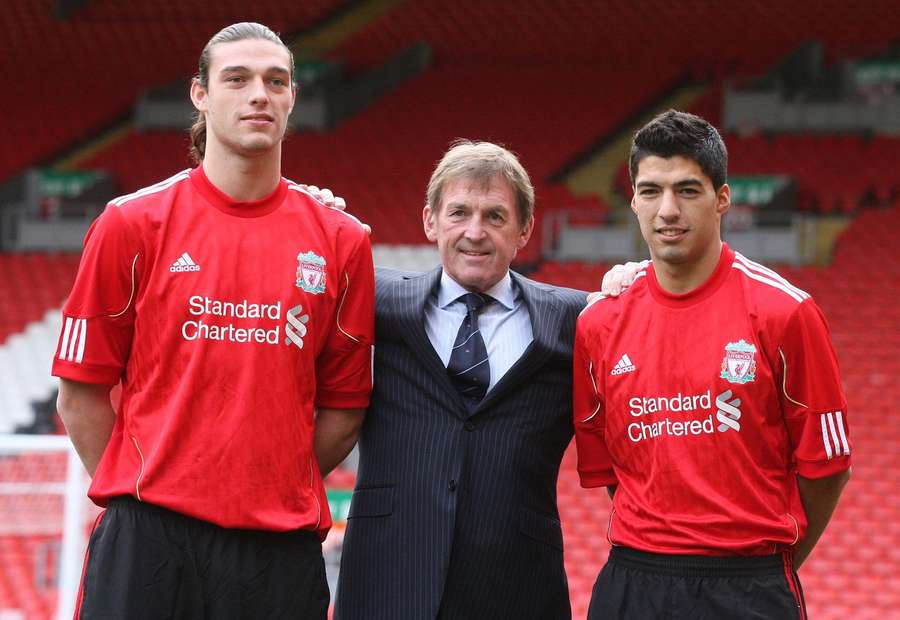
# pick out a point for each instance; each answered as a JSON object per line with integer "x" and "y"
{"x": 450, "y": 290}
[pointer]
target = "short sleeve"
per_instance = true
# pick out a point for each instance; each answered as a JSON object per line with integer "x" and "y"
{"x": 813, "y": 400}
{"x": 98, "y": 316}
{"x": 344, "y": 365}
{"x": 594, "y": 461}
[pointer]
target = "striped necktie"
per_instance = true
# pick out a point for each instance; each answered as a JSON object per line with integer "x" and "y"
{"x": 469, "y": 369}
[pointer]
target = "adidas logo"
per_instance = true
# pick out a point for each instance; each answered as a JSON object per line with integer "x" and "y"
{"x": 622, "y": 366}
{"x": 184, "y": 263}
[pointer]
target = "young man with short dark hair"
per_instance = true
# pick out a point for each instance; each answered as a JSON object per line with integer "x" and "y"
{"x": 708, "y": 400}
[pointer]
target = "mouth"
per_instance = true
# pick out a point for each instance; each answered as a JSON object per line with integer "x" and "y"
{"x": 671, "y": 233}
{"x": 260, "y": 119}
{"x": 474, "y": 253}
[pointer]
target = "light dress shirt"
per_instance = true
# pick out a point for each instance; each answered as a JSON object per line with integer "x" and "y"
{"x": 505, "y": 324}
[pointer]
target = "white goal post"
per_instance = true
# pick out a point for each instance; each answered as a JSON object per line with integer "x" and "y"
{"x": 43, "y": 489}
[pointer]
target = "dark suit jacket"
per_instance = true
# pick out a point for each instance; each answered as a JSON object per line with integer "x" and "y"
{"x": 454, "y": 513}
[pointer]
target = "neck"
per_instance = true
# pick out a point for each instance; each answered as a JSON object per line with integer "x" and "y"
{"x": 482, "y": 290}
{"x": 681, "y": 278}
{"x": 243, "y": 178}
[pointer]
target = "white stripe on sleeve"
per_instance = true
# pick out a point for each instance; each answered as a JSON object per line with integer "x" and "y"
{"x": 834, "y": 437}
{"x": 828, "y": 452}
{"x": 840, "y": 425}
{"x": 73, "y": 341}
{"x": 81, "y": 340}
{"x": 65, "y": 339}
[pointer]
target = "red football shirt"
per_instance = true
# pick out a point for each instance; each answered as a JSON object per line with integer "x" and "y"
{"x": 704, "y": 407}
{"x": 227, "y": 323}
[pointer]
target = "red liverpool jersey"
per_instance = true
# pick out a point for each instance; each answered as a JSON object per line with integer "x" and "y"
{"x": 704, "y": 407}
{"x": 228, "y": 324}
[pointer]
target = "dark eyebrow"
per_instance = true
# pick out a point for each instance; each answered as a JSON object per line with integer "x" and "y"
{"x": 242, "y": 69}
{"x": 649, "y": 184}
{"x": 691, "y": 182}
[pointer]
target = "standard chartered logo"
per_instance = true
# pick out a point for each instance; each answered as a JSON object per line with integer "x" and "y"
{"x": 728, "y": 413}
{"x": 683, "y": 415}
{"x": 243, "y": 322}
{"x": 295, "y": 329}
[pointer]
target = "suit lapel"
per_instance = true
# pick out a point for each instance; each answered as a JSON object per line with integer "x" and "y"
{"x": 411, "y": 294}
{"x": 546, "y": 320}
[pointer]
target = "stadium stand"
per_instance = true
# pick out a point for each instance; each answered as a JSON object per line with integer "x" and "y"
{"x": 547, "y": 77}
{"x": 31, "y": 285}
{"x": 19, "y": 576}
{"x": 584, "y": 276}
{"x": 58, "y": 61}
{"x": 31, "y": 290}
{"x": 856, "y": 170}
{"x": 743, "y": 41}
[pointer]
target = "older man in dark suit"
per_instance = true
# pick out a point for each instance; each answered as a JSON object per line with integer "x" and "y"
{"x": 454, "y": 514}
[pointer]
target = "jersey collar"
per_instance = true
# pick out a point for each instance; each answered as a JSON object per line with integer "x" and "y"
{"x": 712, "y": 284}
{"x": 229, "y": 206}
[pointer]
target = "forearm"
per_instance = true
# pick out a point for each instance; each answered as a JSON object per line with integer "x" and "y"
{"x": 819, "y": 497}
{"x": 335, "y": 436}
{"x": 88, "y": 416}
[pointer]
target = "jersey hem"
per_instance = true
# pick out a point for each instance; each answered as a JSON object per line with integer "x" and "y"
{"x": 589, "y": 481}
{"x": 96, "y": 375}
{"x": 822, "y": 469}
{"x": 259, "y": 523}
{"x": 338, "y": 400}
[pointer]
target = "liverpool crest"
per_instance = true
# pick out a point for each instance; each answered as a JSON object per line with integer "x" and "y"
{"x": 739, "y": 363}
{"x": 311, "y": 272}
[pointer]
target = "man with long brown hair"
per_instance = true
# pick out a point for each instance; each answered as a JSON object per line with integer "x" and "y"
{"x": 237, "y": 312}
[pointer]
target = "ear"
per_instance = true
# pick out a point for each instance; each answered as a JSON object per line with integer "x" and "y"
{"x": 294, "y": 88}
{"x": 428, "y": 223}
{"x": 633, "y": 199}
{"x": 525, "y": 235}
{"x": 198, "y": 96}
{"x": 723, "y": 199}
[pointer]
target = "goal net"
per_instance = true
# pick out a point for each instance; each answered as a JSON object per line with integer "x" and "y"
{"x": 45, "y": 518}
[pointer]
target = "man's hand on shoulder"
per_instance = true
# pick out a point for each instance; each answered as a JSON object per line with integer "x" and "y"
{"x": 616, "y": 280}
{"x": 327, "y": 198}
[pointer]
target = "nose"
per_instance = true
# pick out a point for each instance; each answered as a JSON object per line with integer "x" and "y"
{"x": 668, "y": 206}
{"x": 258, "y": 92}
{"x": 475, "y": 228}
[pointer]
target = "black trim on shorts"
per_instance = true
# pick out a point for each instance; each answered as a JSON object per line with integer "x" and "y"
{"x": 649, "y": 586}
{"x": 698, "y": 565}
{"x": 147, "y": 562}
{"x": 131, "y": 504}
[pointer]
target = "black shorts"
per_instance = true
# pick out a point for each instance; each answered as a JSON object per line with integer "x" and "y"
{"x": 148, "y": 562}
{"x": 648, "y": 586}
